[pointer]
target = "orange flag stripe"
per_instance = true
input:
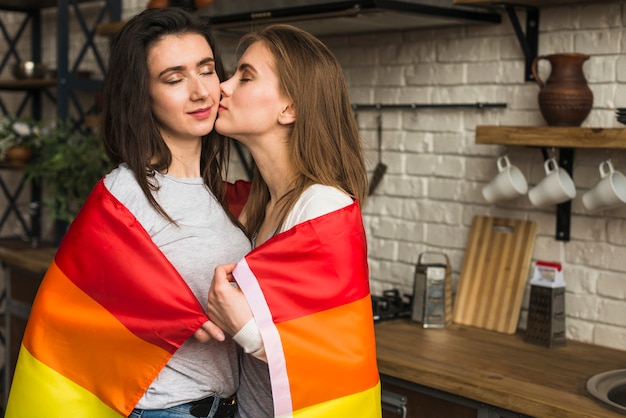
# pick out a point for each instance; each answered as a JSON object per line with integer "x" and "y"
{"x": 350, "y": 356}
{"x": 87, "y": 359}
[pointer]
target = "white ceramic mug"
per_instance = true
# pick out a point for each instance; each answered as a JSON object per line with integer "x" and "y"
{"x": 509, "y": 183}
{"x": 609, "y": 192}
{"x": 557, "y": 187}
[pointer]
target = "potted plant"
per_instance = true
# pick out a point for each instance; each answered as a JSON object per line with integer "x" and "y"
{"x": 68, "y": 162}
{"x": 19, "y": 139}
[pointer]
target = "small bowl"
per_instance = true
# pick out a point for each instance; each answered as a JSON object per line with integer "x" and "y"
{"x": 29, "y": 70}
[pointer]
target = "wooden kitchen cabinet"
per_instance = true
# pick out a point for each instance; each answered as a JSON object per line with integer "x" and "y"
{"x": 497, "y": 375}
{"x": 421, "y": 405}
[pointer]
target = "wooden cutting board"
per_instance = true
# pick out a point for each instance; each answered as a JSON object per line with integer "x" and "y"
{"x": 494, "y": 273}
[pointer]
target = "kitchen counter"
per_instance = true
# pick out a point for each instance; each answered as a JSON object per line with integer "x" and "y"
{"x": 497, "y": 369}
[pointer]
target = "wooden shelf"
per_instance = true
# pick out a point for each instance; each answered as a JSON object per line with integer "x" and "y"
{"x": 534, "y": 3}
{"x": 552, "y": 136}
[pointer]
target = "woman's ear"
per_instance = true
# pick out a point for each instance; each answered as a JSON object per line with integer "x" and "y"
{"x": 287, "y": 115}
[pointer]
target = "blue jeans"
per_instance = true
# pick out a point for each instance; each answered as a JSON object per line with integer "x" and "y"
{"x": 179, "y": 411}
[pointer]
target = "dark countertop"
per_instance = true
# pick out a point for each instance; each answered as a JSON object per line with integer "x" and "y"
{"x": 497, "y": 369}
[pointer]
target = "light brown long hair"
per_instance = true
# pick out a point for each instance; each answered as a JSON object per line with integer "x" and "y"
{"x": 324, "y": 144}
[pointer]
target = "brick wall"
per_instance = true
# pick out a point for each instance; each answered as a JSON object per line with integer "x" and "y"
{"x": 432, "y": 188}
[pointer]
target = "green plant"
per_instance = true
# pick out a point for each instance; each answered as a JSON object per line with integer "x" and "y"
{"x": 69, "y": 162}
{"x": 14, "y": 132}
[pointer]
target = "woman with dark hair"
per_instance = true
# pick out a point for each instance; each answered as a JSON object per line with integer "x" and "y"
{"x": 302, "y": 310}
{"x": 109, "y": 335}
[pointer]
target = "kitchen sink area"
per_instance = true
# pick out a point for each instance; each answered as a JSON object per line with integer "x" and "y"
{"x": 484, "y": 373}
{"x": 609, "y": 388}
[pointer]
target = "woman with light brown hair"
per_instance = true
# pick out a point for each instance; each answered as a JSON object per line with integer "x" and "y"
{"x": 302, "y": 303}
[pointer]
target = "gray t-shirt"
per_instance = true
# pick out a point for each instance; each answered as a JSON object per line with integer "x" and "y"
{"x": 203, "y": 239}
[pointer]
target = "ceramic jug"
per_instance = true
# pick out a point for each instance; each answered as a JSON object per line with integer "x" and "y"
{"x": 565, "y": 99}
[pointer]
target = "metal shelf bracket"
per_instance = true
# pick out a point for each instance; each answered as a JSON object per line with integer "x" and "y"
{"x": 528, "y": 41}
{"x": 563, "y": 210}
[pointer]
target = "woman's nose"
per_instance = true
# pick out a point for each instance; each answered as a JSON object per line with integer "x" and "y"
{"x": 225, "y": 88}
{"x": 199, "y": 90}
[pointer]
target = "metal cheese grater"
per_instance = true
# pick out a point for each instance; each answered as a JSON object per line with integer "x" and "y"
{"x": 546, "y": 307}
{"x": 432, "y": 291}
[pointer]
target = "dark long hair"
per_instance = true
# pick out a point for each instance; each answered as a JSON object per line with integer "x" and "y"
{"x": 130, "y": 132}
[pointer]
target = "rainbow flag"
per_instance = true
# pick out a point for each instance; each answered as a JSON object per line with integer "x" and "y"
{"x": 309, "y": 290}
{"x": 109, "y": 314}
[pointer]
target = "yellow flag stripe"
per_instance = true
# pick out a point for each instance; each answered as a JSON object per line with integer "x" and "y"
{"x": 57, "y": 397}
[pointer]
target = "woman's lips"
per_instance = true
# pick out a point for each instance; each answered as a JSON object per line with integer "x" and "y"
{"x": 201, "y": 113}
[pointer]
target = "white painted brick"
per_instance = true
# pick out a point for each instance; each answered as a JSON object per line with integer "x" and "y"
{"x": 587, "y": 229}
{"x": 556, "y": 42}
{"x": 435, "y": 74}
{"x": 558, "y": 19}
{"x": 421, "y": 164}
{"x": 616, "y": 230}
{"x": 599, "y": 42}
{"x": 597, "y": 254}
{"x": 403, "y": 186}
{"x": 443, "y": 189}
{"x": 580, "y": 280}
{"x": 601, "y": 69}
{"x": 436, "y": 121}
{"x": 420, "y": 141}
{"x": 602, "y": 16}
{"x": 390, "y": 76}
{"x": 581, "y": 306}
{"x": 468, "y": 49}
{"x": 361, "y": 76}
{"x": 612, "y": 312}
{"x": 450, "y": 166}
{"x": 578, "y": 330}
{"x": 383, "y": 249}
{"x": 448, "y": 143}
{"x": 610, "y": 336}
{"x": 411, "y": 94}
{"x": 484, "y": 72}
{"x": 620, "y": 76}
{"x": 442, "y": 235}
{"x": 409, "y": 251}
{"x": 546, "y": 249}
{"x": 510, "y": 48}
{"x": 409, "y": 52}
{"x": 432, "y": 211}
{"x": 603, "y": 97}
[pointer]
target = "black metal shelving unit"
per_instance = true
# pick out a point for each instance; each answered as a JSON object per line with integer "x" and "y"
{"x": 25, "y": 18}
{"x": 20, "y": 22}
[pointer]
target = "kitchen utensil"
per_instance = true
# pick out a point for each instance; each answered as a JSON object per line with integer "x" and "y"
{"x": 432, "y": 294}
{"x": 381, "y": 168}
{"x": 546, "y": 307}
{"x": 508, "y": 184}
{"x": 565, "y": 98}
{"x": 556, "y": 187}
{"x": 609, "y": 192}
{"x": 29, "y": 70}
{"x": 494, "y": 272}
